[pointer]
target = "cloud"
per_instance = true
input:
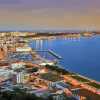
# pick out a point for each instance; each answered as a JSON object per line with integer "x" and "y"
{"x": 10, "y": 1}
{"x": 50, "y": 13}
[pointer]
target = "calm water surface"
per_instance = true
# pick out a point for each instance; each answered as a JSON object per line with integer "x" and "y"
{"x": 79, "y": 55}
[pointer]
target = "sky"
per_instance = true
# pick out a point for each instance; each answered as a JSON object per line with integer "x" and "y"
{"x": 49, "y": 14}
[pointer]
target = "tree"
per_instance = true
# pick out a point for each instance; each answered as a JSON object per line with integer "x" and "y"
{"x": 18, "y": 94}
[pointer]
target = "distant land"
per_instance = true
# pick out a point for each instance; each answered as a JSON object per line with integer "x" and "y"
{"x": 48, "y": 30}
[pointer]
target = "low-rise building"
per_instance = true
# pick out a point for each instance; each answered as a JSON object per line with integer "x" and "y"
{"x": 23, "y": 49}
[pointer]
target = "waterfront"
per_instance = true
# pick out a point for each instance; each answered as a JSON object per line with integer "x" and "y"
{"x": 79, "y": 55}
{"x": 35, "y": 68}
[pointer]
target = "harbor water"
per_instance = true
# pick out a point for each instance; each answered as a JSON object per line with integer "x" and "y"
{"x": 80, "y": 55}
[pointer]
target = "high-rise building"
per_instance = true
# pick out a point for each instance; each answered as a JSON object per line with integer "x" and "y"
{"x": 20, "y": 77}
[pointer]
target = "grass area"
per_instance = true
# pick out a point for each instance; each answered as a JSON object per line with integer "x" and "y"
{"x": 58, "y": 69}
{"x": 94, "y": 85}
{"x": 80, "y": 78}
{"x": 50, "y": 77}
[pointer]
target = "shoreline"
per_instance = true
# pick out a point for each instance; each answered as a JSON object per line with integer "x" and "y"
{"x": 82, "y": 76}
{"x": 71, "y": 71}
{"x": 80, "y": 81}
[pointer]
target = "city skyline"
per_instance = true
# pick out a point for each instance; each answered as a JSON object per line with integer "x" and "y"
{"x": 56, "y": 14}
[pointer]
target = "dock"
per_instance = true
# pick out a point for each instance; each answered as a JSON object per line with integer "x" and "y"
{"x": 54, "y": 54}
{"x": 50, "y": 52}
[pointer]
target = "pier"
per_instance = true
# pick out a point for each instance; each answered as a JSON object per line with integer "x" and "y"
{"x": 54, "y": 54}
{"x": 50, "y": 52}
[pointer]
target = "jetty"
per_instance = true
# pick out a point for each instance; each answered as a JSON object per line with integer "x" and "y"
{"x": 50, "y": 52}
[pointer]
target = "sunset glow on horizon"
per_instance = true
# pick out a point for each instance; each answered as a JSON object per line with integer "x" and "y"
{"x": 29, "y": 14}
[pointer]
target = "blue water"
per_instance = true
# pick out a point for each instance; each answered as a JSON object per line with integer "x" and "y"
{"x": 79, "y": 55}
